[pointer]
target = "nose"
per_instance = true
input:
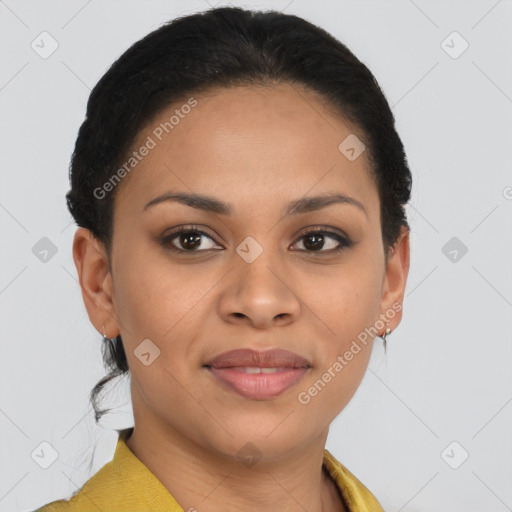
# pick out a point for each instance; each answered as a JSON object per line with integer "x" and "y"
{"x": 259, "y": 294}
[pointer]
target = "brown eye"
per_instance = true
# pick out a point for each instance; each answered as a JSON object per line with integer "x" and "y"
{"x": 322, "y": 240}
{"x": 189, "y": 239}
{"x": 194, "y": 240}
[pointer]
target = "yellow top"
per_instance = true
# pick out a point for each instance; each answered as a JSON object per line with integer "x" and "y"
{"x": 125, "y": 484}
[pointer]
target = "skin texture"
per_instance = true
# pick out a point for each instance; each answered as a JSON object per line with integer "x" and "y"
{"x": 257, "y": 148}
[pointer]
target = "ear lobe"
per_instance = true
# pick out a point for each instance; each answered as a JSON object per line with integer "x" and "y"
{"x": 395, "y": 279}
{"x": 95, "y": 280}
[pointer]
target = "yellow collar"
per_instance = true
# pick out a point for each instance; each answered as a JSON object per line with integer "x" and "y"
{"x": 125, "y": 483}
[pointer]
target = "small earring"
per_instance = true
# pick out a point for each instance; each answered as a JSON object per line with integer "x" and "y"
{"x": 104, "y": 334}
{"x": 386, "y": 333}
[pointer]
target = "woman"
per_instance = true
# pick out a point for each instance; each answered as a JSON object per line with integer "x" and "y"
{"x": 240, "y": 187}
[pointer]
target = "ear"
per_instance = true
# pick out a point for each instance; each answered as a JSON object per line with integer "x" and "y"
{"x": 395, "y": 279}
{"x": 95, "y": 279}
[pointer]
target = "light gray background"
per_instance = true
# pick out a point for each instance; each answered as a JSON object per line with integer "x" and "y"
{"x": 447, "y": 375}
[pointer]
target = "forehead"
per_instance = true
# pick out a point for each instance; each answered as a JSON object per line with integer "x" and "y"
{"x": 275, "y": 143}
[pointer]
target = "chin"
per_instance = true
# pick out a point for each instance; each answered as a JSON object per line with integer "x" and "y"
{"x": 267, "y": 435}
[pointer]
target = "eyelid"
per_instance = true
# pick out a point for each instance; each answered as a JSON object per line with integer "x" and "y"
{"x": 187, "y": 227}
{"x": 323, "y": 229}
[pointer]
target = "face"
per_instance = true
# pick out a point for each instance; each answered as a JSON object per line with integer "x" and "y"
{"x": 246, "y": 271}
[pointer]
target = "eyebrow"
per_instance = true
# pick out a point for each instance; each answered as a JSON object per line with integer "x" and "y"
{"x": 299, "y": 206}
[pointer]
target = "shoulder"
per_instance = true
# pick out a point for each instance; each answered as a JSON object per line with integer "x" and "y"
{"x": 97, "y": 493}
{"x": 356, "y": 495}
{"x": 122, "y": 484}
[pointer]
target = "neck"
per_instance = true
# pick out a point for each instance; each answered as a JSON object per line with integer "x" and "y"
{"x": 199, "y": 479}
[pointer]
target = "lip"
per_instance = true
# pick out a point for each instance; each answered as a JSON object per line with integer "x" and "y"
{"x": 274, "y": 358}
{"x": 231, "y": 369}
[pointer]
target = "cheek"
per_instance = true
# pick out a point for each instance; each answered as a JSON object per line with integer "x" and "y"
{"x": 345, "y": 301}
{"x": 153, "y": 298}
{"x": 348, "y": 306}
{"x": 167, "y": 306}
{"x": 345, "y": 382}
{"x": 335, "y": 381}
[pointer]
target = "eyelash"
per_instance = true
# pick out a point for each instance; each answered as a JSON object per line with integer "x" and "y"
{"x": 344, "y": 241}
